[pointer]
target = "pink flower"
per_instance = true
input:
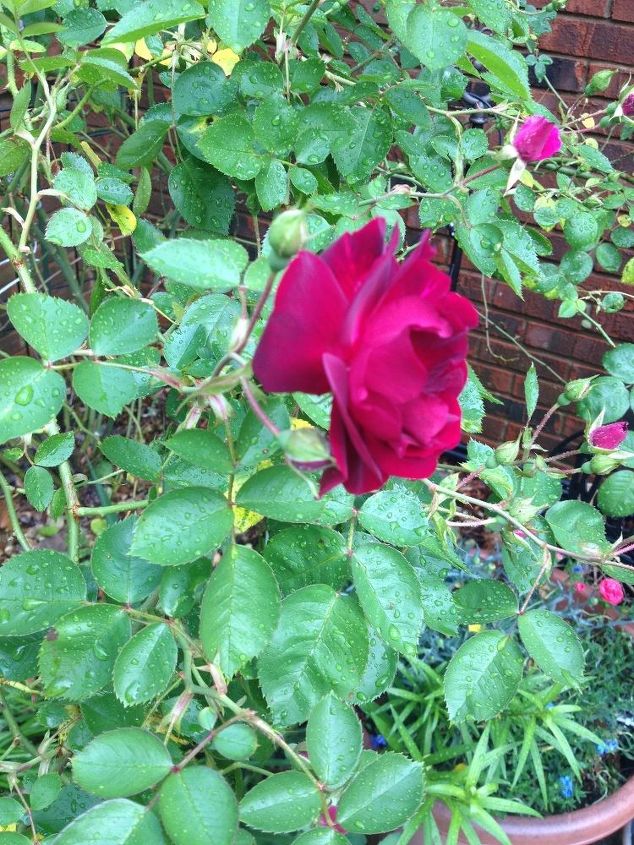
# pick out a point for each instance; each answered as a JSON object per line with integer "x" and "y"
{"x": 332, "y": 812}
{"x": 388, "y": 340}
{"x": 608, "y": 436}
{"x": 537, "y": 139}
{"x": 628, "y": 105}
{"x": 611, "y": 591}
{"x": 581, "y": 589}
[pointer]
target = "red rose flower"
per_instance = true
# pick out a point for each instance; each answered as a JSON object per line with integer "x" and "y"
{"x": 537, "y": 139}
{"x": 628, "y": 105}
{"x": 608, "y": 436}
{"x": 388, "y": 340}
{"x": 611, "y": 591}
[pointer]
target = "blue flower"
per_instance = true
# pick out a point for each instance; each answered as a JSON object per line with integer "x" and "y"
{"x": 607, "y": 747}
{"x": 577, "y": 568}
{"x": 377, "y": 742}
{"x": 566, "y": 786}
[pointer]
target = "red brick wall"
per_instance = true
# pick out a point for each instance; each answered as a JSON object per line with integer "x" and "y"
{"x": 589, "y": 36}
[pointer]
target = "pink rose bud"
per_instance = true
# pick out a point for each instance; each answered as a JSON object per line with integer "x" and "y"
{"x": 628, "y": 105}
{"x": 537, "y": 139}
{"x": 611, "y": 591}
{"x": 581, "y": 589}
{"x": 608, "y": 436}
{"x": 332, "y": 812}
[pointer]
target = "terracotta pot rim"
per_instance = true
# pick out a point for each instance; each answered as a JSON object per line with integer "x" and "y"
{"x": 579, "y": 827}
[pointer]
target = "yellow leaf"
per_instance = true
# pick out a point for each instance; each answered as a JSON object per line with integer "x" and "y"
{"x": 592, "y": 142}
{"x": 474, "y": 629}
{"x": 226, "y": 59}
{"x": 624, "y": 220}
{"x": 297, "y": 423}
{"x": 527, "y": 178}
{"x": 628, "y": 273}
{"x": 91, "y": 154}
{"x": 126, "y": 49}
{"x": 212, "y": 46}
{"x": 589, "y": 122}
{"x": 123, "y": 217}
{"x": 142, "y": 51}
{"x": 9, "y": 827}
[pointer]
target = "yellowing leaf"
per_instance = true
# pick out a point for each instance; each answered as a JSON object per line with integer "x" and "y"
{"x": 628, "y": 273}
{"x": 212, "y": 46}
{"x": 142, "y": 51}
{"x": 297, "y": 423}
{"x": 588, "y": 122}
{"x": 226, "y": 59}
{"x": 592, "y": 142}
{"x": 624, "y": 220}
{"x": 123, "y": 217}
{"x": 527, "y": 178}
{"x": 126, "y": 49}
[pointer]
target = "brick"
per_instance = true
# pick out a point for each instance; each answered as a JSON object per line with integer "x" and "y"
{"x": 592, "y": 39}
{"x": 565, "y": 74}
{"x": 619, "y": 79}
{"x": 623, "y": 10}
{"x": 595, "y": 8}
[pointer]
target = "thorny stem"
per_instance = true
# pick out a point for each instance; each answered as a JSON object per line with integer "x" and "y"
{"x": 119, "y": 507}
{"x": 302, "y": 24}
{"x": 13, "y": 517}
{"x": 14, "y": 728}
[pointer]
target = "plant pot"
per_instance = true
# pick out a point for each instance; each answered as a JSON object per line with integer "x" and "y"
{"x": 580, "y": 827}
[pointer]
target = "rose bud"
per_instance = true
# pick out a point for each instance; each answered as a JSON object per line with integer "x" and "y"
{"x": 388, "y": 340}
{"x": 288, "y": 233}
{"x": 599, "y": 82}
{"x": 506, "y": 453}
{"x": 608, "y": 437}
{"x": 627, "y": 106}
{"x": 537, "y": 139}
{"x": 581, "y": 589}
{"x": 307, "y": 448}
{"x": 611, "y": 591}
{"x": 603, "y": 464}
{"x": 579, "y": 388}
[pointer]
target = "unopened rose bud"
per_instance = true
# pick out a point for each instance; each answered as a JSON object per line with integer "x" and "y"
{"x": 288, "y": 233}
{"x": 506, "y": 453}
{"x": 627, "y": 106}
{"x": 307, "y": 448}
{"x": 603, "y": 464}
{"x": 607, "y": 438}
{"x": 611, "y": 591}
{"x": 599, "y": 82}
{"x": 613, "y": 302}
{"x": 537, "y": 138}
{"x": 576, "y": 390}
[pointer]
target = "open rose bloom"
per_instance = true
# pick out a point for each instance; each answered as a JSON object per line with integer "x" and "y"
{"x": 609, "y": 436}
{"x": 388, "y": 340}
{"x": 611, "y": 591}
{"x": 536, "y": 139}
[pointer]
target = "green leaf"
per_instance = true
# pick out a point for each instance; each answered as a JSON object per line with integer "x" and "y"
{"x": 316, "y": 408}
{"x": 379, "y": 671}
{"x": 495, "y": 14}
{"x": 151, "y": 16}
{"x": 81, "y": 26}
{"x": 120, "y": 763}
{"x": 307, "y": 554}
{"x": 282, "y": 803}
{"x": 321, "y": 836}
{"x": 198, "y": 807}
{"x": 20, "y": 106}
{"x": 333, "y": 739}
{"x": 55, "y": 450}
{"x": 13, "y": 153}
{"x": 239, "y": 610}
{"x": 229, "y": 144}
{"x": 255, "y": 442}
{"x": 439, "y": 610}
{"x": 578, "y": 527}
{"x": 182, "y": 526}
{"x": 123, "y": 577}
{"x": 203, "y": 196}
{"x": 45, "y": 790}
{"x": 271, "y": 185}
{"x": 53, "y": 327}
{"x": 437, "y": 37}
{"x": 201, "y": 448}
{"x": 122, "y": 325}
{"x": 389, "y": 594}
{"x": 78, "y": 185}
{"x": 202, "y": 265}
{"x": 472, "y": 404}
{"x": 616, "y": 494}
{"x": 238, "y": 22}
{"x": 357, "y": 154}
{"x": 105, "y": 388}
{"x": 68, "y": 227}
{"x": 180, "y": 587}
{"x": 38, "y": 487}
{"x": 30, "y": 396}
{"x": 507, "y": 68}
{"x": 11, "y": 811}
{"x": 303, "y": 180}
{"x": 382, "y": 796}
{"x": 121, "y": 822}
{"x": 485, "y": 601}
{"x": 142, "y": 146}
{"x": 13, "y": 839}
{"x": 618, "y": 362}
{"x": 607, "y": 394}
{"x": 145, "y": 665}
{"x": 76, "y": 660}
{"x": 114, "y": 191}
{"x": 482, "y": 676}
{"x": 36, "y": 588}
{"x": 134, "y": 457}
{"x": 531, "y": 390}
{"x": 553, "y": 645}
{"x": 395, "y": 516}
{"x": 275, "y": 124}
{"x": 320, "y": 644}
{"x": 201, "y": 90}
{"x": 105, "y": 66}
{"x": 398, "y": 12}
{"x": 279, "y": 493}
{"x": 206, "y": 328}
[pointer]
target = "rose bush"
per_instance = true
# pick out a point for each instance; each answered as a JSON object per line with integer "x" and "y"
{"x": 190, "y": 616}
